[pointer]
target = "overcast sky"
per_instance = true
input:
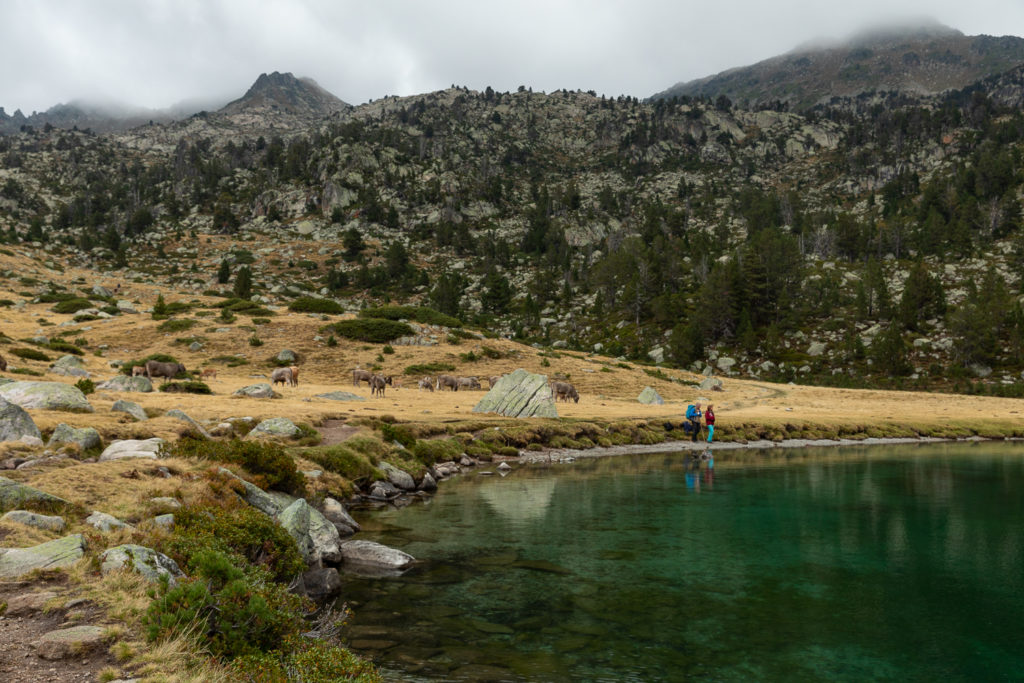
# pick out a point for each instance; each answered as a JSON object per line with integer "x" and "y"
{"x": 155, "y": 53}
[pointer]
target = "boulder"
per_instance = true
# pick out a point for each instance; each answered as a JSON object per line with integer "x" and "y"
{"x": 255, "y": 496}
{"x": 286, "y": 356}
{"x": 316, "y": 537}
{"x": 125, "y": 383}
{"x": 195, "y": 346}
{"x": 146, "y": 561}
{"x": 816, "y": 349}
{"x": 321, "y": 582}
{"x": 725, "y": 363}
{"x": 71, "y": 642}
{"x": 341, "y": 396}
{"x": 46, "y": 396}
{"x": 181, "y": 415}
{"x": 368, "y": 554}
{"x": 383, "y": 490}
{"x": 164, "y": 521}
{"x": 132, "y": 448}
{"x": 105, "y": 522}
{"x": 519, "y": 394}
{"x": 100, "y": 290}
{"x": 50, "y": 555}
{"x": 35, "y": 520}
{"x": 15, "y": 422}
{"x": 336, "y": 513}
{"x": 14, "y": 495}
{"x": 69, "y": 366}
{"x": 125, "y": 306}
{"x": 274, "y": 428}
{"x": 650, "y": 397}
{"x": 133, "y": 409}
{"x": 428, "y": 483}
{"x": 85, "y": 437}
{"x": 400, "y": 478}
{"x": 25, "y": 604}
{"x": 710, "y": 384}
{"x": 657, "y": 354}
{"x": 261, "y": 390}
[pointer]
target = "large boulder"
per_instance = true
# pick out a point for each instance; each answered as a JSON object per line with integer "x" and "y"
{"x": 50, "y": 555}
{"x": 133, "y": 409}
{"x": 85, "y": 437}
{"x": 146, "y": 561}
{"x": 399, "y": 478}
{"x": 14, "y": 495}
{"x": 46, "y": 396}
{"x": 519, "y": 394}
{"x": 132, "y": 448}
{"x": 710, "y": 384}
{"x": 261, "y": 390}
{"x": 126, "y": 383}
{"x": 104, "y": 522}
{"x": 15, "y": 422}
{"x": 725, "y": 364}
{"x": 181, "y": 415}
{"x": 274, "y": 428}
{"x": 286, "y": 356}
{"x": 816, "y": 348}
{"x": 336, "y": 513}
{"x": 316, "y": 537}
{"x": 371, "y": 555}
{"x": 267, "y": 503}
{"x": 69, "y": 366}
{"x": 35, "y": 520}
{"x": 650, "y": 397}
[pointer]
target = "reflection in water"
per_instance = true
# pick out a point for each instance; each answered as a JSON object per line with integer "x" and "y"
{"x": 840, "y": 564}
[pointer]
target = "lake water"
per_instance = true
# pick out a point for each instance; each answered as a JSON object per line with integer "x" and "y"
{"x": 843, "y": 564}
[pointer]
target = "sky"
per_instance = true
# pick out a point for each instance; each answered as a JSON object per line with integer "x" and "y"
{"x": 156, "y": 53}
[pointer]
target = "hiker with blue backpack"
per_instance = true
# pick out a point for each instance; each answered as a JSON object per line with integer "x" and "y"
{"x": 693, "y": 415}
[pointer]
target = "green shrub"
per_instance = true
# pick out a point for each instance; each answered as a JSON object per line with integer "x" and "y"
{"x": 56, "y": 297}
{"x": 64, "y": 347}
{"x": 255, "y": 341}
{"x": 193, "y": 386}
{"x": 388, "y": 349}
{"x": 236, "y": 615}
{"x": 509, "y": 451}
{"x": 429, "y": 451}
{"x": 126, "y": 369}
{"x": 29, "y": 354}
{"x": 428, "y": 368}
{"x": 270, "y": 466}
{"x": 309, "y": 661}
{"x": 176, "y": 325}
{"x": 469, "y": 357}
{"x": 230, "y": 361}
{"x": 488, "y": 352}
{"x": 26, "y": 371}
{"x": 332, "y": 341}
{"x": 402, "y": 435}
{"x": 260, "y": 321}
{"x": 86, "y": 385}
{"x": 344, "y": 461}
{"x": 420, "y": 314}
{"x": 373, "y": 330}
{"x": 312, "y": 304}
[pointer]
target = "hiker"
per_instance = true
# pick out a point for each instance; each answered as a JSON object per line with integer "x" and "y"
{"x": 693, "y": 414}
{"x": 709, "y": 420}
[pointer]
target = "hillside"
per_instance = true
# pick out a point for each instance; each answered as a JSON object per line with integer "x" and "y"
{"x": 921, "y": 61}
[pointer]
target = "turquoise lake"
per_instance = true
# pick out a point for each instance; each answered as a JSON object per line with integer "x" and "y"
{"x": 841, "y": 564}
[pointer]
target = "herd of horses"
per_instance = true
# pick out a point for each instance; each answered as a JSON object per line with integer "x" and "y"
{"x": 563, "y": 391}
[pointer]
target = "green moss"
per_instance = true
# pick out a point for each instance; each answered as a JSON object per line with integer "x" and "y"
{"x": 373, "y": 330}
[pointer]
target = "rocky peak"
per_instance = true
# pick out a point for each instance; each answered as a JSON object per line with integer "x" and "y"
{"x": 284, "y": 93}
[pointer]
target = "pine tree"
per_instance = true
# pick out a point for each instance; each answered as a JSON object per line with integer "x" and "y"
{"x": 224, "y": 273}
{"x": 243, "y": 283}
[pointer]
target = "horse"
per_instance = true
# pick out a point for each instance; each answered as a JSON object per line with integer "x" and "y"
{"x": 155, "y": 368}
{"x": 282, "y": 375}
{"x": 207, "y": 372}
{"x": 359, "y": 375}
{"x": 447, "y": 381}
{"x": 564, "y": 391}
{"x": 377, "y": 384}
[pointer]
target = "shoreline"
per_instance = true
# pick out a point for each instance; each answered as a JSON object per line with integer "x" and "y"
{"x": 565, "y": 455}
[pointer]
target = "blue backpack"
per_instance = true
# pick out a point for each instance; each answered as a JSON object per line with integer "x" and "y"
{"x": 691, "y": 412}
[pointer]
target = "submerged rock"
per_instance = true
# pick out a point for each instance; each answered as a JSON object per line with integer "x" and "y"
{"x": 370, "y": 554}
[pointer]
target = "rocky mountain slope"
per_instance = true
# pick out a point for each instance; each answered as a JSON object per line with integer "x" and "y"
{"x": 874, "y": 240}
{"x": 921, "y": 61}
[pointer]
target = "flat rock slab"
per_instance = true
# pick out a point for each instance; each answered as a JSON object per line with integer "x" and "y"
{"x": 105, "y": 522}
{"x": 261, "y": 390}
{"x": 132, "y": 448}
{"x": 341, "y": 396}
{"x": 371, "y": 554}
{"x": 50, "y": 555}
{"x": 85, "y": 437}
{"x": 28, "y": 603}
{"x": 146, "y": 561}
{"x": 519, "y": 394}
{"x": 181, "y": 415}
{"x": 14, "y": 494}
{"x": 69, "y": 642}
{"x": 255, "y": 496}
{"x": 33, "y": 519}
{"x": 133, "y": 409}
{"x": 126, "y": 383}
{"x": 46, "y": 396}
{"x": 274, "y": 428}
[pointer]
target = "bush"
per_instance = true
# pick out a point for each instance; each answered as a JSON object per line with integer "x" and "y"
{"x": 86, "y": 385}
{"x": 193, "y": 386}
{"x": 64, "y": 347}
{"x": 176, "y": 325}
{"x": 270, "y": 466}
{"x": 72, "y": 305}
{"x": 55, "y": 297}
{"x": 344, "y": 461}
{"x": 429, "y": 451}
{"x": 310, "y": 661}
{"x": 388, "y": 349}
{"x": 255, "y": 341}
{"x": 373, "y": 330}
{"x": 420, "y": 314}
{"x": 312, "y": 304}
{"x": 402, "y": 435}
{"x": 428, "y": 368}
{"x": 237, "y": 615}
{"x": 29, "y": 354}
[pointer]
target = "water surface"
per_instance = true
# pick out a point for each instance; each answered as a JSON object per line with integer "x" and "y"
{"x": 883, "y": 563}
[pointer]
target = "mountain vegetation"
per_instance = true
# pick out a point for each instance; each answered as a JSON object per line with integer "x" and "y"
{"x": 871, "y": 240}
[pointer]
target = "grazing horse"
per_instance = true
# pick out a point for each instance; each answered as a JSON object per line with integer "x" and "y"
{"x": 282, "y": 375}
{"x": 295, "y": 376}
{"x": 207, "y": 372}
{"x": 564, "y": 391}
{"x": 427, "y": 383}
{"x": 155, "y": 368}
{"x": 3, "y": 363}
{"x": 447, "y": 381}
{"x": 361, "y": 376}
{"x": 138, "y": 371}
{"x": 468, "y": 383}
{"x": 494, "y": 380}
{"x": 377, "y": 384}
